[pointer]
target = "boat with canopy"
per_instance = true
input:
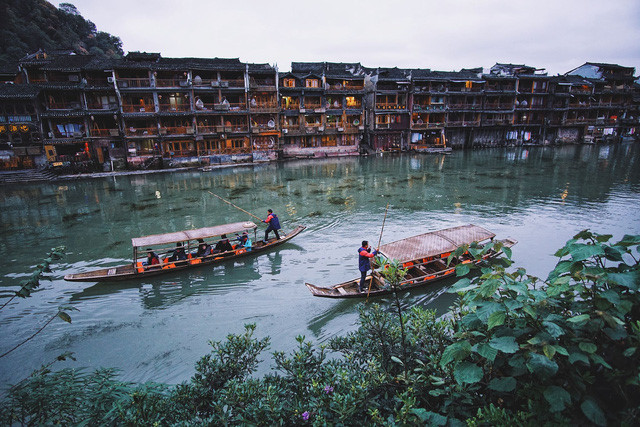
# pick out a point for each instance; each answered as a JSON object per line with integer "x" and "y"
{"x": 425, "y": 258}
{"x": 189, "y": 240}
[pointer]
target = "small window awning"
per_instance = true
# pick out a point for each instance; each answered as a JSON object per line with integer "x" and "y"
{"x": 434, "y": 243}
{"x": 199, "y": 233}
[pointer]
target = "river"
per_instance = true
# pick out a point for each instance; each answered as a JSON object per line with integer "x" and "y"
{"x": 156, "y": 329}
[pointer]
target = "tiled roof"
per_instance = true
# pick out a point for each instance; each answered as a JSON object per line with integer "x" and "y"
{"x": 18, "y": 91}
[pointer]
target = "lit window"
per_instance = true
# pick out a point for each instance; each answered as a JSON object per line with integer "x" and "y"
{"x": 311, "y": 83}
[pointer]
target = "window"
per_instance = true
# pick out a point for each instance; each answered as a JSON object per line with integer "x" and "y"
{"x": 289, "y": 82}
{"x": 311, "y": 83}
{"x": 468, "y": 84}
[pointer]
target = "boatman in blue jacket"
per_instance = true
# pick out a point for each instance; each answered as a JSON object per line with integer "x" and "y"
{"x": 364, "y": 263}
{"x": 273, "y": 225}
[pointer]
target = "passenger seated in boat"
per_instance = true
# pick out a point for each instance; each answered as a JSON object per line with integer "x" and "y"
{"x": 245, "y": 241}
{"x": 223, "y": 245}
{"x": 152, "y": 258}
{"x": 204, "y": 249}
{"x": 178, "y": 253}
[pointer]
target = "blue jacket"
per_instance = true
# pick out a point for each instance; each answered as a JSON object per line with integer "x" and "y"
{"x": 273, "y": 221}
{"x": 364, "y": 257}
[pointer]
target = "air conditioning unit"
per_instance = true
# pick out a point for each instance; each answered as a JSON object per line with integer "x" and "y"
{"x": 77, "y": 134}
{"x": 74, "y": 78}
{"x": 110, "y": 79}
{"x": 215, "y": 83}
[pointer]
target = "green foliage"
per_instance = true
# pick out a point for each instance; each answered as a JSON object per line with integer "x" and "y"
{"x": 515, "y": 350}
{"x": 29, "y": 25}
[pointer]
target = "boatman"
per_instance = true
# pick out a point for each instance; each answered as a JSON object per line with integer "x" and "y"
{"x": 273, "y": 225}
{"x": 364, "y": 263}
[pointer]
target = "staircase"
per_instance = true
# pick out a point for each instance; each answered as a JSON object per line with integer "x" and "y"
{"x": 26, "y": 175}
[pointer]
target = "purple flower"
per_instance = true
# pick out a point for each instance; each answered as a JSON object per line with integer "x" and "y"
{"x": 305, "y": 415}
{"x": 328, "y": 389}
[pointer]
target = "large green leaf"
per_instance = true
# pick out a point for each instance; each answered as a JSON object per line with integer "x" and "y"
{"x": 486, "y": 351}
{"x": 486, "y": 309}
{"x": 467, "y": 373}
{"x": 557, "y": 397}
{"x": 575, "y": 356}
{"x": 429, "y": 418}
{"x": 505, "y": 384}
{"x": 628, "y": 279}
{"x": 553, "y": 329}
{"x": 462, "y": 269}
{"x": 581, "y": 251}
{"x": 456, "y": 351}
{"x": 588, "y": 347}
{"x": 593, "y": 412}
{"x": 462, "y": 285}
{"x": 578, "y": 319}
{"x": 504, "y": 344}
{"x": 496, "y": 319}
{"x": 540, "y": 364}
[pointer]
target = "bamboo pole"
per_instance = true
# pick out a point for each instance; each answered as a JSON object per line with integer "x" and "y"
{"x": 378, "y": 247}
{"x": 237, "y": 207}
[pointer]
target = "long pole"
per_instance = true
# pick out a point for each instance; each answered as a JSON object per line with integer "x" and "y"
{"x": 378, "y": 247}
{"x": 237, "y": 207}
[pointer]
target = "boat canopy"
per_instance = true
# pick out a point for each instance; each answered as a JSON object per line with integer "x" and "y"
{"x": 199, "y": 233}
{"x": 434, "y": 243}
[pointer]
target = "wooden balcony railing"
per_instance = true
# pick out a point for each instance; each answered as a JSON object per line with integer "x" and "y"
{"x": 291, "y": 106}
{"x": 172, "y": 83}
{"x": 103, "y": 132}
{"x": 262, "y": 106}
{"x": 101, "y": 106}
{"x": 354, "y": 105}
{"x": 135, "y": 131}
{"x": 237, "y": 83}
{"x": 64, "y": 105}
{"x": 176, "y": 130}
{"x": 388, "y": 106}
{"x": 207, "y": 129}
{"x": 175, "y": 107}
{"x": 134, "y": 108}
{"x": 312, "y": 105}
{"x": 130, "y": 82}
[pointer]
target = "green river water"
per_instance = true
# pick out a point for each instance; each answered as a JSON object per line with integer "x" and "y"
{"x": 157, "y": 328}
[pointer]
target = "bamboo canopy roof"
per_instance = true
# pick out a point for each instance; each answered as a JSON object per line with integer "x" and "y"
{"x": 434, "y": 243}
{"x": 199, "y": 233}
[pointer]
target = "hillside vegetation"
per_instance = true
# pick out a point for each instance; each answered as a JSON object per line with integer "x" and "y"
{"x": 29, "y": 25}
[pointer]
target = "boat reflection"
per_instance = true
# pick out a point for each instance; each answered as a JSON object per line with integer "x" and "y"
{"x": 163, "y": 291}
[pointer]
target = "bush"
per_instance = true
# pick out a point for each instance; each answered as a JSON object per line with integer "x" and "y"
{"x": 515, "y": 350}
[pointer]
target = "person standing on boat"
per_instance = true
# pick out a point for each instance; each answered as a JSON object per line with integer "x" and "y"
{"x": 274, "y": 225}
{"x": 364, "y": 263}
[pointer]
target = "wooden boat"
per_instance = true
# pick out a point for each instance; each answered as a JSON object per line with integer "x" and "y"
{"x": 189, "y": 238}
{"x": 425, "y": 257}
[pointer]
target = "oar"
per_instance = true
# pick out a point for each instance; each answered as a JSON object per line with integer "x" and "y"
{"x": 237, "y": 207}
{"x": 378, "y": 247}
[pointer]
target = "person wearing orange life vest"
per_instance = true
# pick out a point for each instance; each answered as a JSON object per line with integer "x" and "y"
{"x": 273, "y": 225}
{"x": 364, "y": 263}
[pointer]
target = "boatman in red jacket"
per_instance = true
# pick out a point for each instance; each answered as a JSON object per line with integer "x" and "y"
{"x": 364, "y": 263}
{"x": 273, "y": 225}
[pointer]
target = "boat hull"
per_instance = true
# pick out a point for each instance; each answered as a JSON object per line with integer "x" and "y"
{"x": 375, "y": 283}
{"x": 128, "y": 272}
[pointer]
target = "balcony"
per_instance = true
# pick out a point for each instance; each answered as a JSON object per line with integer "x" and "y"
{"x": 499, "y": 106}
{"x": 129, "y": 108}
{"x": 176, "y": 130}
{"x": 389, "y": 106}
{"x": 134, "y": 131}
{"x": 101, "y": 106}
{"x": 207, "y": 129}
{"x": 125, "y": 83}
{"x": 235, "y": 83}
{"x": 96, "y": 133}
{"x": 172, "y": 83}
{"x": 262, "y": 85}
{"x": 263, "y": 106}
{"x": 175, "y": 107}
{"x": 312, "y": 105}
{"x": 64, "y": 105}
